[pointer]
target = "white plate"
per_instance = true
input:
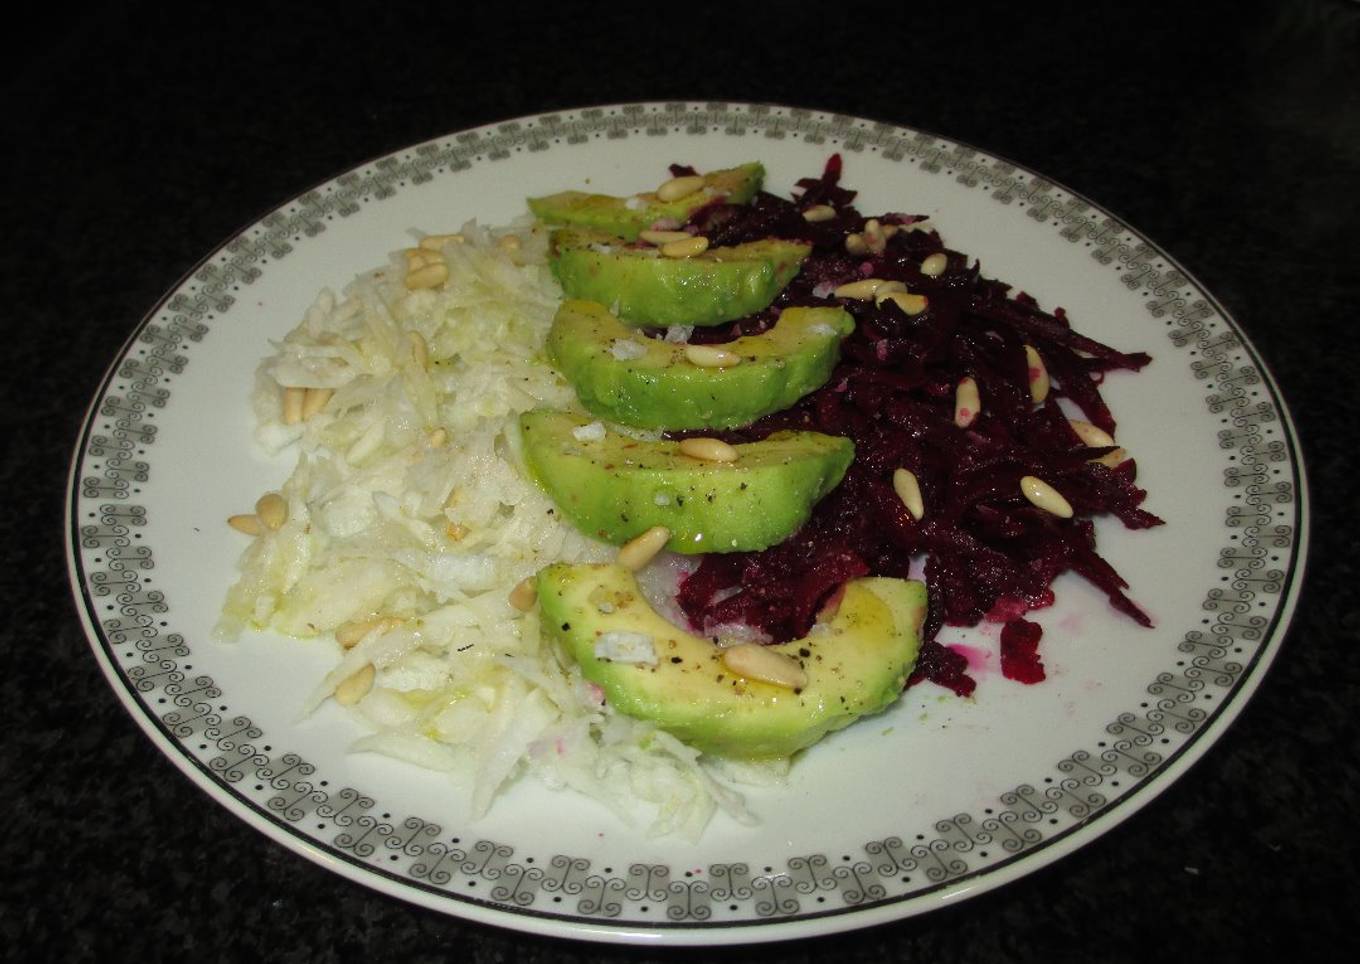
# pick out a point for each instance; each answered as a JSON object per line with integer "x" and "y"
{"x": 938, "y": 799}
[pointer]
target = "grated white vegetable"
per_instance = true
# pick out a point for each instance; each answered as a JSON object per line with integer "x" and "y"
{"x": 385, "y": 521}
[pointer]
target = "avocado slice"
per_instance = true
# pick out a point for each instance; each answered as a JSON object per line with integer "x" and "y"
{"x": 646, "y": 288}
{"x": 625, "y": 217}
{"x": 856, "y": 662}
{"x": 614, "y": 487}
{"x": 622, "y": 375}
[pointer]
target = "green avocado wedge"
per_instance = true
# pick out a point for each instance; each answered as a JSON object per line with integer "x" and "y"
{"x": 614, "y": 487}
{"x": 856, "y": 661}
{"x": 628, "y": 378}
{"x": 626, "y": 217}
{"x": 645, "y": 288}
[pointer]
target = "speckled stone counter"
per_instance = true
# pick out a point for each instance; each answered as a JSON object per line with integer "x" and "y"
{"x": 140, "y": 139}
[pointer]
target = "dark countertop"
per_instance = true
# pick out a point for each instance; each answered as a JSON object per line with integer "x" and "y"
{"x": 1229, "y": 135}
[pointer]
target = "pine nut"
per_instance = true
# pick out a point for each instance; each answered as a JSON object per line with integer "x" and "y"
{"x": 434, "y": 242}
{"x": 967, "y": 403}
{"x": 755, "y": 662}
{"x": 876, "y": 233}
{"x": 709, "y": 450}
{"x": 456, "y": 531}
{"x": 349, "y": 634}
{"x": 706, "y": 356}
{"x": 819, "y": 212}
{"x": 420, "y": 349}
{"x": 272, "y": 510}
{"x": 679, "y": 187}
{"x": 933, "y": 266}
{"x": 659, "y": 238}
{"x": 248, "y": 523}
{"x": 855, "y": 244}
{"x": 1091, "y": 435}
{"x": 428, "y": 276}
{"x": 867, "y": 288}
{"x": 525, "y": 594}
{"x": 438, "y": 438}
{"x": 909, "y": 303}
{"x": 355, "y": 688}
{"x": 637, "y": 552}
{"x": 687, "y": 248}
{"x": 420, "y": 257}
{"x": 1038, "y": 374}
{"x": 1111, "y": 459}
{"x": 1044, "y": 496}
{"x": 909, "y": 491}
{"x": 314, "y": 400}
{"x": 292, "y": 405}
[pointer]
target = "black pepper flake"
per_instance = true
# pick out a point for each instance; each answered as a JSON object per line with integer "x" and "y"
{"x": 677, "y": 659}
{"x": 805, "y": 652}
{"x": 566, "y": 626}
{"x": 743, "y": 487}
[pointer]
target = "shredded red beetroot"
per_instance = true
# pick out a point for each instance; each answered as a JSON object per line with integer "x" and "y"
{"x": 987, "y": 549}
{"x": 944, "y": 667}
{"x": 1020, "y": 651}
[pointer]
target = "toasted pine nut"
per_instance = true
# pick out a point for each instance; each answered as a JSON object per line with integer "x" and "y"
{"x": 433, "y": 242}
{"x": 909, "y": 491}
{"x": 855, "y": 244}
{"x": 524, "y": 595}
{"x": 967, "y": 403}
{"x": 272, "y": 510}
{"x": 352, "y": 690}
{"x": 867, "y": 288}
{"x": 876, "y": 233}
{"x": 292, "y": 404}
{"x": 420, "y": 257}
{"x": 420, "y": 349}
{"x": 819, "y": 212}
{"x": 248, "y": 523}
{"x": 1093, "y": 436}
{"x": 909, "y": 303}
{"x": 687, "y": 248}
{"x": 638, "y": 551}
{"x": 314, "y": 400}
{"x": 709, "y": 450}
{"x": 1112, "y": 459}
{"x": 659, "y": 238}
{"x": 933, "y": 266}
{"x": 706, "y": 356}
{"x": 679, "y": 187}
{"x": 1038, "y": 374}
{"x": 348, "y": 634}
{"x": 456, "y": 531}
{"x": 428, "y": 276}
{"x": 1043, "y": 495}
{"x": 756, "y": 662}
{"x": 438, "y": 438}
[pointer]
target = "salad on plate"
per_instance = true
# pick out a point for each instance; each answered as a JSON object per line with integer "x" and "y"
{"x": 646, "y": 495}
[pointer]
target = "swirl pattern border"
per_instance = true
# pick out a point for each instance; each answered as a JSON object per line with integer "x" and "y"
{"x": 116, "y": 569}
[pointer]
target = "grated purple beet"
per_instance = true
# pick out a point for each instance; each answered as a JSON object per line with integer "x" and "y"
{"x": 987, "y": 549}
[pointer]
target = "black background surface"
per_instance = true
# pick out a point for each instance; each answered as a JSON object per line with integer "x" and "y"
{"x": 139, "y": 139}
